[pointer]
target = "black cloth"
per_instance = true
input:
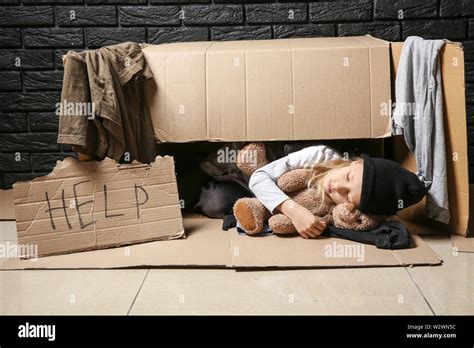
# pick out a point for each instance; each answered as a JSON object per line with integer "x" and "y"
{"x": 229, "y": 222}
{"x": 387, "y": 187}
{"x": 220, "y": 165}
{"x": 389, "y": 235}
{"x": 217, "y": 198}
{"x": 190, "y": 179}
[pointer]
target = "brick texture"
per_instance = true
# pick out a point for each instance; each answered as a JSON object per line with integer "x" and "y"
{"x": 406, "y": 9}
{"x": 354, "y": 10}
{"x": 34, "y": 34}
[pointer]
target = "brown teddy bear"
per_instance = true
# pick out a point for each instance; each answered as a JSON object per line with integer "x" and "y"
{"x": 252, "y": 214}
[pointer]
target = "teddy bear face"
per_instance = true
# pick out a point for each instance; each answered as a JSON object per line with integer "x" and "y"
{"x": 346, "y": 215}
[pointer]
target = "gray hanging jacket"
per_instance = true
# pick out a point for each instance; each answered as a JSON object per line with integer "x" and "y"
{"x": 418, "y": 114}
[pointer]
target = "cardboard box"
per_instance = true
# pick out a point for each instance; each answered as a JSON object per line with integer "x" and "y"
{"x": 299, "y": 89}
{"x": 287, "y": 89}
{"x": 95, "y": 205}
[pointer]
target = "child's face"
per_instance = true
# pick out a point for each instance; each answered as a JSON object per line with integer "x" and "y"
{"x": 344, "y": 185}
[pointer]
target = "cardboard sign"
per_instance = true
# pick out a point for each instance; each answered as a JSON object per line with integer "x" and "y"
{"x": 94, "y": 205}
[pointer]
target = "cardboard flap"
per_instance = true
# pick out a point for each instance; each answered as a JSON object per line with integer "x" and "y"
{"x": 285, "y": 89}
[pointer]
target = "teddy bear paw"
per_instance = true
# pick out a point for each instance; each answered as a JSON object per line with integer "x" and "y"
{"x": 281, "y": 224}
{"x": 251, "y": 215}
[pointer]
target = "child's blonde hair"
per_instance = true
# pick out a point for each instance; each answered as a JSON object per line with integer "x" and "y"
{"x": 321, "y": 170}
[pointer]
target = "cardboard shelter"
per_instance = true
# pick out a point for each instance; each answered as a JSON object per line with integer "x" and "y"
{"x": 289, "y": 89}
{"x": 300, "y": 89}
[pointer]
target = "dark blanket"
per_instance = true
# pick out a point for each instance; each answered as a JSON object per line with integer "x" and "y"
{"x": 389, "y": 235}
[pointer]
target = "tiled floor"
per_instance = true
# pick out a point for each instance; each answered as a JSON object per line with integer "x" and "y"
{"x": 446, "y": 289}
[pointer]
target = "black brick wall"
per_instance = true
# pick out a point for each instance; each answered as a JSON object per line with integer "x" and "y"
{"x": 34, "y": 34}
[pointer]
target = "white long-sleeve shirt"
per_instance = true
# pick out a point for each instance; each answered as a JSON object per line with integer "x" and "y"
{"x": 263, "y": 181}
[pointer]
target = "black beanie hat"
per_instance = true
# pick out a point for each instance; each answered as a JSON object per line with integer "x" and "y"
{"x": 388, "y": 187}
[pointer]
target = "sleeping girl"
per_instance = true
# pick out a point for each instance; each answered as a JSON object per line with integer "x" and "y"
{"x": 373, "y": 185}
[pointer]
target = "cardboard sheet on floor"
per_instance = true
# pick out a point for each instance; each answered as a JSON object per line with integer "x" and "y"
{"x": 207, "y": 245}
{"x": 7, "y": 207}
{"x": 462, "y": 244}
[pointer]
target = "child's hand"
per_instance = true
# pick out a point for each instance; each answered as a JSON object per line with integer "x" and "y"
{"x": 307, "y": 225}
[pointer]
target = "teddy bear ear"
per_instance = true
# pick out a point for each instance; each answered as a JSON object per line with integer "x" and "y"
{"x": 350, "y": 206}
{"x": 250, "y": 157}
